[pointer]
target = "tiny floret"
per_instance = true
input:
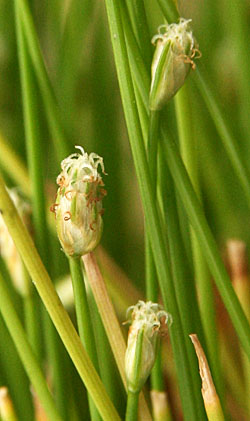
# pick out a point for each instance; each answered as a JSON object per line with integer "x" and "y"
{"x": 174, "y": 56}
{"x": 151, "y": 319}
{"x": 78, "y": 208}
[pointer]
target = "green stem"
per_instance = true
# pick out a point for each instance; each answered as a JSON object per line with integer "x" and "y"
{"x": 54, "y": 306}
{"x": 30, "y": 316}
{"x": 53, "y": 112}
{"x": 26, "y": 354}
{"x": 84, "y": 324}
{"x": 141, "y": 30}
{"x": 33, "y": 141}
{"x": 197, "y": 219}
{"x": 150, "y": 208}
{"x": 133, "y": 397}
{"x": 230, "y": 144}
{"x": 156, "y": 377}
{"x": 132, "y": 406}
{"x": 202, "y": 275}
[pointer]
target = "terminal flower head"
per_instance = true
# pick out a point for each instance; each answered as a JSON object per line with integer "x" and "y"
{"x": 174, "y": 56}
{"x": 78, "y": 208}
{"x": 149, "y": 320}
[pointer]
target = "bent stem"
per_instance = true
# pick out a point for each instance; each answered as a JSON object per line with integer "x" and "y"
{"x": 54, "y": 306}
{"x": 110, "y": 321}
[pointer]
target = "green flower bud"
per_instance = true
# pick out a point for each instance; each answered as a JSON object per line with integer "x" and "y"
{"x": 149, "y": 320}
{"x": 78, "y": 206}
{"x": 173, "y": 58}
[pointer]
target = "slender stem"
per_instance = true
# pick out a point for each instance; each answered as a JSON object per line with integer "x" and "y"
{"x": 26, "y": 354}
{"x": 52, "y": 108}
{"x": 84, "y": 323}
{"x": 227, "y": 138}
{"x": 133, "y": 397}
{"x": 206, "y": 239}
{"x": 54, "y": 306}
{"x": 33, "y": 141}
{"x": 132, "y": 406}
{"x": 156, "y": 377}
{"x": 150, "y": 208}
{"x": 202, "y": 275}
{"x": 110, "y": 321}
{"x": 141, "y": 30}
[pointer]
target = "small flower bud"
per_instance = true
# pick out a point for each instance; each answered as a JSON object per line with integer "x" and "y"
{"x": 175, "y": 50}
{"x": 78, "y": 206}
{"x": 149, "y": 319}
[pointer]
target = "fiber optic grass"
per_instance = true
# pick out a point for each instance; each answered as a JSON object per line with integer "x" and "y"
{"x": 79, "y": 73}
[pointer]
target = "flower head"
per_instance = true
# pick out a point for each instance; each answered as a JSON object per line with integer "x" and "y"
{"x": 78, "y": 206}
{"x": 150, "y": 320}
{"x": 174, "y": 56}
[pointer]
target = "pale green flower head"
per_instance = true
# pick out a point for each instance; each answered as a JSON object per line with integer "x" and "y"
{"x": 151, "y": 319}
{"x": 174, "y": 56}
{"x": 78, "y": 206}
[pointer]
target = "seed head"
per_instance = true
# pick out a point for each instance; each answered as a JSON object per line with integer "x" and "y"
{"x": 175, "y": 51}
{"x": 150, "y": 319}
{"x": 78, "y": 206}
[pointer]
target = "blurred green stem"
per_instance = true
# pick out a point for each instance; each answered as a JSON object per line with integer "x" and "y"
{"x": 197, "y": 219}
{"x": 84, "y": 320}
{"x": 26, "y": 354}
{"x": 34, "y": 151}
{"x": 54, "y": 306}
{"x": 202, "y": 275}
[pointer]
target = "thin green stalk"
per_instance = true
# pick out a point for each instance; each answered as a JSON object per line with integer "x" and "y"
{"x": 150, "y": 208}
{"x": 54, "y": 306}
{"x": 197, "y": 219}
{"x": 132, "y": 406}
{"x": 75, "y": 29}
{"x": 202, "y": 275}
{"x": 156, "y": 377}
{"x": 9, "y": 160}
{"x": 183, "y": 280}
{"x": 52, "y": 109}
{"x": 230, "y": 144}
{"x": 133, "y": 397}
{"x": 84, "y": 323}
{"x": 26, "y": 354}
{"x": 141, "y": 30}
{"x": 169, "y": 10}
{"x": 30, "y": 317}
{"x": 34, "y": 151}
{"x": 11, "y": 370}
